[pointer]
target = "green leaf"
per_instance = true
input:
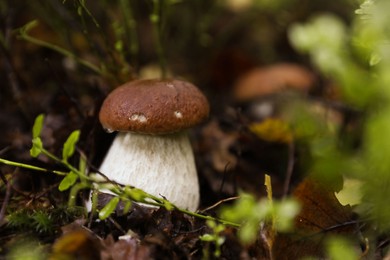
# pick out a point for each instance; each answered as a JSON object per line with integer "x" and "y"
{"x": 127, "y": 207}
{"x": 207, "y": 238}
{"x": 168, "y": 205}
{"x": 37, "y": 127}
{"x": 340, "y": 248}
{"x": 27, "y": 27}
{"x": 135, "y": 194}
{"x": 36, "y": 148}
{"x": 68, "y": 181}
{"x": 248, "y": 232}
{"x": 109, "y": 208}
{"x": 69, "y": 145}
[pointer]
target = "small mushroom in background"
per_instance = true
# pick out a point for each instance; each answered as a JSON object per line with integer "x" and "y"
{"x": 152, "y": 150}
{"x": 263, "y": 91}
{"x": 263, "y": 81}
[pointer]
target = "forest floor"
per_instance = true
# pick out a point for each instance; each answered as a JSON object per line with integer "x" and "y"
{"x": 244, "y": 138}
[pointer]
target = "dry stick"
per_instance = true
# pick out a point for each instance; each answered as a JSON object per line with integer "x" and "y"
{"x": 117, "y": 225}
{"x": 219, "y": 203}
{"x": 4, "y": 150}
{"x": 225, "y": 172}
{"x": 290, "y": 168}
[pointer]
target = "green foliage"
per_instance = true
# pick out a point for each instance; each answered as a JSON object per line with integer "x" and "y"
{"x": 42, "y": 221}
{"x": 36, "y": 132}
{"x": 357, "y": 58}
{"x": 67, "y": 182}
{"x": 339, "y": 248}
{"x": 250, "y": 213}
{"x": 214, "y": 237}
{"x": 326, "y": 39}
{"x": 39, "y": 221}
{"x": 27, "y": 249}
{"x": 38, "y": 125}
{"x": 70, "y": 144}
{"x": 36, "y": 148}
{"x": 109, "y": 208}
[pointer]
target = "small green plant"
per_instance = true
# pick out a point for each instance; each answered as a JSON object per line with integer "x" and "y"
{"x": 42, "y": 221}
{"x": 39, "y": 221}
{"x": 253, "y": 214}
{"x": 214, "y": 238}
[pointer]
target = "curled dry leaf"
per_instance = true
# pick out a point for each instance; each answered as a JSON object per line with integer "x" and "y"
{"x": 77, "y": 242}
{"x": 321, "y": 216}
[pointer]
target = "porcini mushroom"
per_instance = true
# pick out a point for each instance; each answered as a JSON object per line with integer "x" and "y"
{"x": 152, "y": 150}
{"x": 263, "y": 81}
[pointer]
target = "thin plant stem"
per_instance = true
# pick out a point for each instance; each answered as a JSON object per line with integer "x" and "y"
{"x": 25, "y": 36}
{"x": 131, "y": 26}
{"x": 31, "y": 167}
{"x": 290, "y": 168}
{"x": 207, "y": 217}
{"x": 155, "y": 19}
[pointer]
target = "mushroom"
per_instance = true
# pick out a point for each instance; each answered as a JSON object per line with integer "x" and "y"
{"x": 263, "y": 81}
{"x": 152, "y": 150}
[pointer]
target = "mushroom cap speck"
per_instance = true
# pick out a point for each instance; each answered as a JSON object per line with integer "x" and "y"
{"x": 153, "y": 106}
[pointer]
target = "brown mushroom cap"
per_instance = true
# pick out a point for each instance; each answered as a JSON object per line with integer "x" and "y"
{"x": 273, "y": 79}
{"x": 153, "y": 107}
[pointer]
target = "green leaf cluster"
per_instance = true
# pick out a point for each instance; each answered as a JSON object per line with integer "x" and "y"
{"x": 251, "y": 213}
{"x": 37, "y": 146}
{"x": 357, "y": 58}
{"x": 214, "y": 237}
{"x": 39, "y": 221}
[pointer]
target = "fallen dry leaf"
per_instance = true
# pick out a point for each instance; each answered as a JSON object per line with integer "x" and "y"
{"x": 321, "y": 215}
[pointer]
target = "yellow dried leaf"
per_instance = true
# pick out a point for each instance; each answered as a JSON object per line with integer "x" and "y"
{"x": 272, "y": 130}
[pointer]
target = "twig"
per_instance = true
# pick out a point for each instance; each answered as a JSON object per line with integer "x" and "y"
{"x": 4, "y": 150}
{"x": 225, "y": 172}
{"x": 290, "y": 168}
{"x": 219, "y": 203}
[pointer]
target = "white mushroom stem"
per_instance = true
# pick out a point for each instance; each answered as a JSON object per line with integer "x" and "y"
{"x": 160, "y": 165}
